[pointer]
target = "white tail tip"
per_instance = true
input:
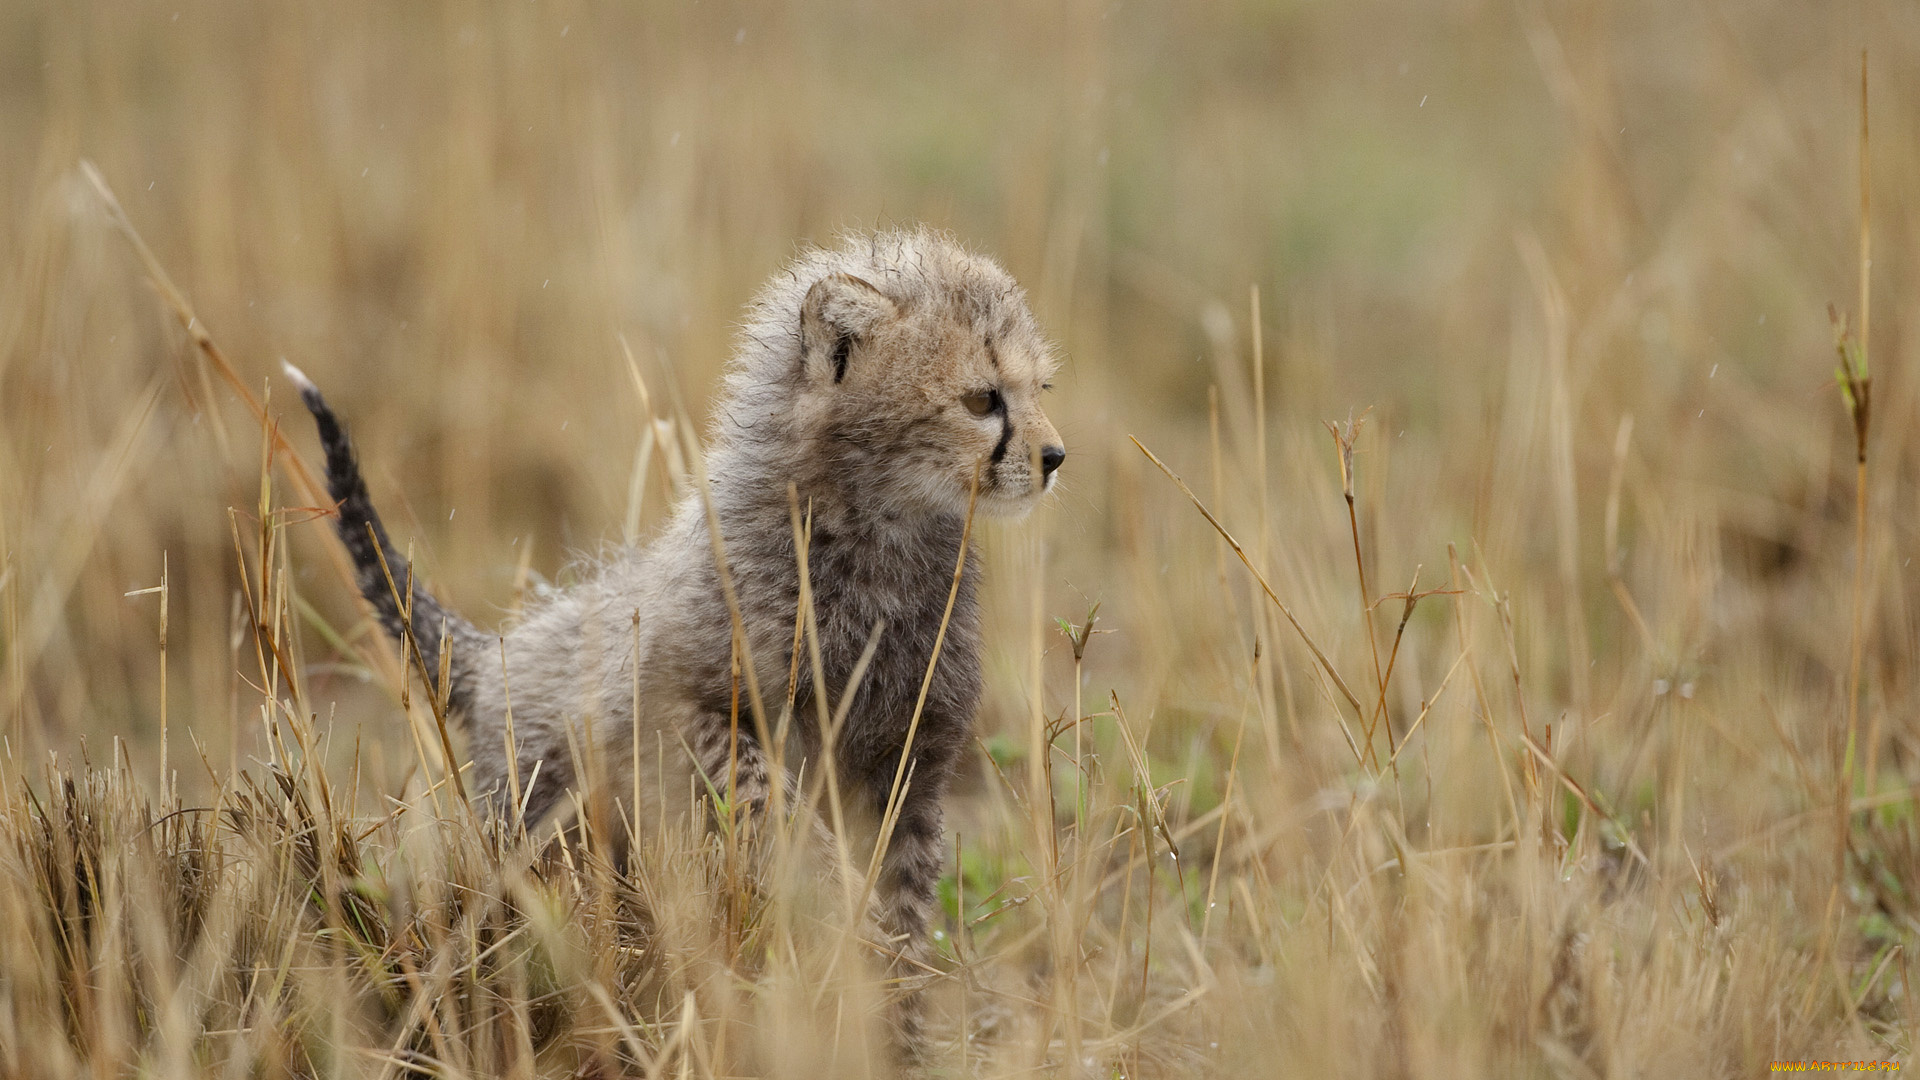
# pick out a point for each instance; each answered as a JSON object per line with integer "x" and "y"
{"x": 297, "y": 377}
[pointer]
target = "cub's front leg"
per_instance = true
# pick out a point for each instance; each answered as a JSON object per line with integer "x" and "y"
{"x": 732, "y": 765}
{"x": 907, "y": 890}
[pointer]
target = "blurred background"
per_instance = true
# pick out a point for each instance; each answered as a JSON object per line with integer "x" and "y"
{"x": 1502, "y": 228}
{"x": 1571, "y": 261}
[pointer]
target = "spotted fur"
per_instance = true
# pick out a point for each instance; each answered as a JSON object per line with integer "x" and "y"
{"x": 858, "y": 379}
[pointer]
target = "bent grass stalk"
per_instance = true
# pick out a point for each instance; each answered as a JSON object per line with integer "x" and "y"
{"x": 1326, "y": 665}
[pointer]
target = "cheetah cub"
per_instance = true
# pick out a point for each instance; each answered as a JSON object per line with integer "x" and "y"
{"x": 891, "y": 382}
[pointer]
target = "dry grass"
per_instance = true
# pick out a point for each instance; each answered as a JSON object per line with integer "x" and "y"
{"x": 1626, "y": 790}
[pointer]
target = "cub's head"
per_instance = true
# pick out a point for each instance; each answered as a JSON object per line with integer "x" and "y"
{"x": 918, "y": 374}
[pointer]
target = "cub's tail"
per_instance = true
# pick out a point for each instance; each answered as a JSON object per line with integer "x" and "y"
{"x": 374, "y": 558}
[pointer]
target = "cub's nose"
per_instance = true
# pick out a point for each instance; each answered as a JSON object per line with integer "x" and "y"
{"x": 1050, "y": 459}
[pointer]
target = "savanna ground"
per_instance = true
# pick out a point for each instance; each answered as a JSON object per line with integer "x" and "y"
{"x": 1629, "y": 794}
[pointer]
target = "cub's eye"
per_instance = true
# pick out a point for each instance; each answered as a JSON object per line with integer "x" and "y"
{"x": 984, "y": 403}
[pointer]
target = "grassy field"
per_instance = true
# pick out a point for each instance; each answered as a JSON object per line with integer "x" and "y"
{"x": 1554, "y": 715}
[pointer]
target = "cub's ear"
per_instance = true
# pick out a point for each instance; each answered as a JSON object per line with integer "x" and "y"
{"x": 838, "y": 310}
